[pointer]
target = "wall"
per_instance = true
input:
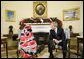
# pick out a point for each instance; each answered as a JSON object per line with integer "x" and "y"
{"x": 24, "y": 9}
{"x": 55, "y": 10}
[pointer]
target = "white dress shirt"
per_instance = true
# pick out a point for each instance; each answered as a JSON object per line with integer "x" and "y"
{"x": 56, "y": 30}
{"x": 56, "y": 33}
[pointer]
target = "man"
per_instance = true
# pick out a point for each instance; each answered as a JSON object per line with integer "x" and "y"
{"x": 57, "y": 36}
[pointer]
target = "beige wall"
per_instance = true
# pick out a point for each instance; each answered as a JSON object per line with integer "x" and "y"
{"x": 55, "y": 10}
{"x": 24, "y": 9}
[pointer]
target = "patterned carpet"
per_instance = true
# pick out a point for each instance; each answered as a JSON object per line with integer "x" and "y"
{"x": 44, "y": 54}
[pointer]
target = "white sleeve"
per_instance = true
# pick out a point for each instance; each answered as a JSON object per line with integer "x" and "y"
{"x": 54, "y": 39}
{"x": 60, "y": 40}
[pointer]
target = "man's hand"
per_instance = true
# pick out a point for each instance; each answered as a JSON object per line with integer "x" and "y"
{"x": 56, "y": 41}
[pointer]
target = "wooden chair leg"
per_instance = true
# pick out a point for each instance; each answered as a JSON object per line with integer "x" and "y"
{"x": 6, "y": 50}
{"x": 4, "y": 45}
{"x": 56, "y": 49}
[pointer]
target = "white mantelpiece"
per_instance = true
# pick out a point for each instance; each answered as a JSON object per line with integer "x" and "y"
{"x": 40, "y": 27}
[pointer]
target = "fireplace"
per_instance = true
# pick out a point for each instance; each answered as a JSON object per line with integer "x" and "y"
{"x": 41, "y": 37}
{"x": 41, "y": 32}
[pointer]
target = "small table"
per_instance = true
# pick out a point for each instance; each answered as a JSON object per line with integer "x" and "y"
{"x": 10, "y": 36}
{"x": 4, "y": 41}
{"x": 79, "y": 40}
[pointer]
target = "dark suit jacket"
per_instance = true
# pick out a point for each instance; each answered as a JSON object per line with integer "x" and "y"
{"x": 59, "y": 36}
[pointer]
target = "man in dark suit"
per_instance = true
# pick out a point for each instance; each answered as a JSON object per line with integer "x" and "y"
{"x": 57, "y": 36}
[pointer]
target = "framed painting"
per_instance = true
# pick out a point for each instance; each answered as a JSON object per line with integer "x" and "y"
{"x": 10, "y": 15}
{"x": 71, "y": 14}
{"x": 40, "y": 9}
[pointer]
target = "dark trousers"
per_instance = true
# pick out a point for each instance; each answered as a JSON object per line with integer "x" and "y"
{"x": 63, "y": 44}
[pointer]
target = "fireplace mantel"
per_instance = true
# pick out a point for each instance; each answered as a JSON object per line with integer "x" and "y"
{"x": 37, "y": 23}
{"x": 39, "y": 27}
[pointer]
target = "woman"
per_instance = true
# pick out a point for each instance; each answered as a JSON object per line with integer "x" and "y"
{"x": 27, "y": 44}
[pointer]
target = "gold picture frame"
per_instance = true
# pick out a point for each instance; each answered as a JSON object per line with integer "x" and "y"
{"x": 71, "y": 14}
{"x": 40, "y": 9}
{"x": 10, "y": 15}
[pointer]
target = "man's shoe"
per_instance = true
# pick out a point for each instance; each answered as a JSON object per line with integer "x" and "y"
{"x": 51, "y": 56}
